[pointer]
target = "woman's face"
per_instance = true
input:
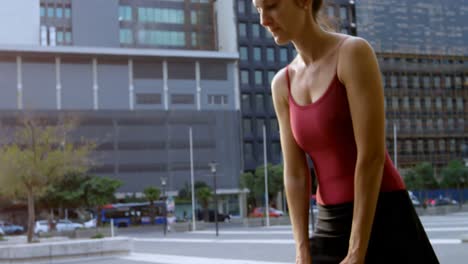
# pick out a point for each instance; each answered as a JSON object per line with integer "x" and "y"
{"x": 282, "y": 18}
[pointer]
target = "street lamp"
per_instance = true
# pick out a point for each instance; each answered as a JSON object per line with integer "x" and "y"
{"x": 163, "y": 184}
{"x": 213, "y": 170}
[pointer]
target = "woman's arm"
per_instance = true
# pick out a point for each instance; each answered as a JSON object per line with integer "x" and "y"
{"x": 359, "y": 71}
{"x": 296, "y": 171}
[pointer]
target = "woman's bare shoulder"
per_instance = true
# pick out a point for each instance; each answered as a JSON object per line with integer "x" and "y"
{"x": 355, "y": 52}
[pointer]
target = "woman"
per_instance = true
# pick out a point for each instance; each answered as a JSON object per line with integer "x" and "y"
{"x": 329, "y": 104}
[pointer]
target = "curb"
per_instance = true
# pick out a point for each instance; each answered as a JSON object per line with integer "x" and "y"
{"x": 51, "y": 252}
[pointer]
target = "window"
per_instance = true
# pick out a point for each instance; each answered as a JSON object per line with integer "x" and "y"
{"x": 242, "y": 30}
{"x": 274, "y": 126}
{"x": 247, "y": 126}
{"x": 259, "y": 103}
{"x": 60, "y": 37}
{"x": 428, "y": 102}
{"x": 194, "y": 17}
{"x": 461, "y": 124}
{"x": 257, "y": 54}
{"x": 43, "y": 11}
{"x": 426, "y": 82}
{"x": 449, "y": 103}
{"x": 68, "y": 37}
{"x": 161, "y": 15}
{"x": 283, "y": 54}
{"x": 453, "y": 145}
{"x": 441, "y": 145}
{"x": 182, "y": 99}
{"x": 419, "y": 125}
{"x": 420, "y": 146}
{"x": 439, "y": 103}
{"x": 404, "y": 81}
{"x": 59, "y": 12}
{"x": 343, "y": 12}
{"x": 460, "y": 104}
{"x": 431, "y": 146}
{"x": 50, "y": 11}
{"x": 276, "y": 150}
{"x": 406, "y": 103}
{"x": 440, "y": 124}
{"x": 241, "y": 6}
{"x": 407, "y": 124}
{"x": 408, "y": 147}
{"x": 260, "y": 123}
{"x": 67, "y": 12}
{"x": 258, "y": 77}
{"x": 458, "y": 82}
{"x": 271, "y": 75}
{"x": 217, "y": 99}
{"x": 244, "y": 53}
{"x": 429, "y": 125}
{"x": 161, "y": 38}
{"x": 270, "y": 54}
{"x": 246, "y": 103}
{"x": 256, "y": 30}
{"x": 194, "y": 39}
{"x": 331, "y": 11}
{"x": 384, "y": 80}
{"x": 415, "y": 81}
{"x": 148, "y": 98}
{"x": 451, "y": 124}
{"x": 394, "y": 81}
{"x": 126, "y": 36}
{"x": 437, "y": 82}
{"x": 395, "y": 103}
{"x": 417, "y": 103}
{"x": 448, "y": 82}
{"x": 248, "y": 151}
{"x": 244, "y": 77}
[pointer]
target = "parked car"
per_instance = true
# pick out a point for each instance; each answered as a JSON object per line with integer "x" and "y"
{"x": 67, "y": 225}
{"x": 91, "y": 223}
{"x": 414, "y": 199}
{"x": 211, "y": 216}
{"x": 2, "y": 233}
{"x": 259, "y": 212}
{"x": 41, "y": 226}
{"x": 10, "y": 229}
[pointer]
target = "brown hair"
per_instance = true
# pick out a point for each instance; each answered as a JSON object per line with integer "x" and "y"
{"x": 316, "y": 6}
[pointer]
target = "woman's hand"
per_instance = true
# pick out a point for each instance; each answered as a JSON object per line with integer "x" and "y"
{"x": 353, "y": 259}
{"x": 303, "y": 256}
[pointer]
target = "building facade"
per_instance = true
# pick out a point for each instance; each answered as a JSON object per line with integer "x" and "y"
{"x": 422, "y": 47}
{"x": 137, "y": 75}
{"x": 260, "y": 59}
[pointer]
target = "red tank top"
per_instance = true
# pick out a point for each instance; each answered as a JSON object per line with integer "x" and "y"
{"x": 324, "y": 130}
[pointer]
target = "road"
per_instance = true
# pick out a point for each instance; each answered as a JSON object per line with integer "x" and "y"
{"x": 263, "y": 245}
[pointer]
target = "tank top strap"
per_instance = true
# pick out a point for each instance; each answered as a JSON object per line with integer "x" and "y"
{"x": 287, "y": 78}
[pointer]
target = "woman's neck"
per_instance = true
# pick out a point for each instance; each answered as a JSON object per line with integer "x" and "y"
{"x": 312, "y": 42}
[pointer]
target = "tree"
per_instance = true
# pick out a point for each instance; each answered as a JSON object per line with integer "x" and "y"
{"x": 204, "y": 196}
{"x": 412, "y": 181}
{"x": 425, "y": 172}
{"x": 38, "y": 155}
{"x": 99, "y": 191}
{"x": 255, "y": 182}
{"x": 152, "y": 194}
{"x": 455, "y": 175}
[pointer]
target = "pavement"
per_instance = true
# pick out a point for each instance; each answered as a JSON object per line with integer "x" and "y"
{"x": 262, "y": 245}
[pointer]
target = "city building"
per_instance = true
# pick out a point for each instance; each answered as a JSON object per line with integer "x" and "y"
{"x": 422, "y": 47}
{"x": 137, "y": 74}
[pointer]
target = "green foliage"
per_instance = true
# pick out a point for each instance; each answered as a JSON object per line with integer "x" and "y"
{"x": 66, "y": 193}
{"x": 454, "y": 175}
{"x": 98, "y": 236}
{"x": 255, "y": 182}
{"x": 37, "y": 155}
{"x": 99, "y": 191}
{"x": 204, "y": 195}
{"x": 425, "y": 172}
{"x": 152, "y": 193}
{"x": 412, "y": 181}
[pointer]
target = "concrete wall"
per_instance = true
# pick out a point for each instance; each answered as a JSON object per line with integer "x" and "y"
{"x": 96, "y": 23}
{"x": 19, "y": 22}
{"x": 226, "y": 25}
{"x": 8, "y": 85}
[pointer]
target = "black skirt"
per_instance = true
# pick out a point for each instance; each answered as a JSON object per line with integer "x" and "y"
{"x": 397, "y": 233}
